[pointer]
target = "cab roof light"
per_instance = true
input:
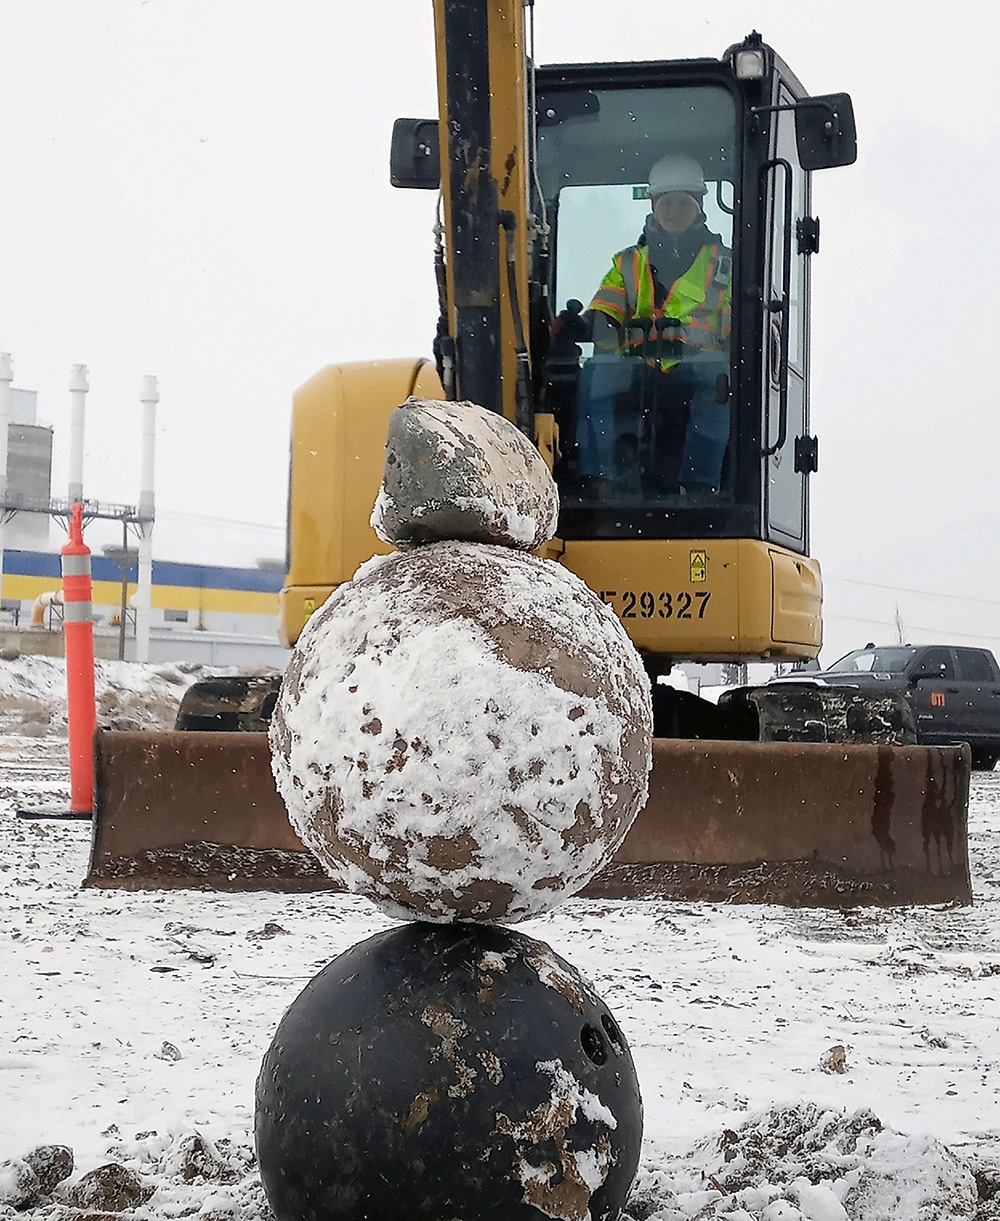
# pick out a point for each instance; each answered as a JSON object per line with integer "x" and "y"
{"x": 750, "y": 58}
{"x": 750, "y": 65}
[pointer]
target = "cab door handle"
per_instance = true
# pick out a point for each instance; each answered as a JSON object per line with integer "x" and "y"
{"x": 779, "y": 334}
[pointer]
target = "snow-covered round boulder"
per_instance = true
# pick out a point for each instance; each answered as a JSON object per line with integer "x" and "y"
{"x": 463, "y": 733}
{"x": 457, "y": 471}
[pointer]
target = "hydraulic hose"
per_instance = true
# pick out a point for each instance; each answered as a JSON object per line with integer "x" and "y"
{"x": 524, "y": 414}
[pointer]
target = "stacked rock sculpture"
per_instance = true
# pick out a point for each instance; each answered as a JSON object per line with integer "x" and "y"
{"x": 463, "y": 735}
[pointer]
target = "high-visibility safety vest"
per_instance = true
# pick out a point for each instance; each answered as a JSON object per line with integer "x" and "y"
{"x": 700, "y": 301}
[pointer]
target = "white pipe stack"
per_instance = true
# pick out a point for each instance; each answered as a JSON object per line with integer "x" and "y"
{"x": 50, "y": 597}
{"x": 149, "y": 396}
{"x": 78, "y": 387}
{"x": 6, "y": 377}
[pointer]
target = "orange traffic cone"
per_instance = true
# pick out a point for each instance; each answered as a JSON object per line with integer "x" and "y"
{"x": 78, "y": 629}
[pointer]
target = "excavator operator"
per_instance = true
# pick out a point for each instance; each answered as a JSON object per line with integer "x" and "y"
{"x": 656, "y": 426}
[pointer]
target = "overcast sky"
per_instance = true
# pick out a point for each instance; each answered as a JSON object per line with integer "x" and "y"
{"x": 198, "y": 189}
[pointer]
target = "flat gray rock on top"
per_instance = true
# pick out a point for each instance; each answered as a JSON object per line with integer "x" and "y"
{"x": 457, "y": 471}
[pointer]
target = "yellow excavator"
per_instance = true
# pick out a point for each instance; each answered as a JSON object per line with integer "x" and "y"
{"x": 662, "y": 369}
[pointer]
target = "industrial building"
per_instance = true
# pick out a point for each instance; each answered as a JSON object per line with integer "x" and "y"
{"x": 200, "y": 612}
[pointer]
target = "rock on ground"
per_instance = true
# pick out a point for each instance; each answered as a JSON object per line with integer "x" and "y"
{"x": 111, "y": 1188}
{"x": 151, "y": 1176}
{"x": 805, "y": 1163}
{"x": 464, "y": 732}
{"x": 457, "y": 471}
{"x": 788, "y": 1163}
{"x": 19, "y": 1185}
{"x": 52, "y": 1164}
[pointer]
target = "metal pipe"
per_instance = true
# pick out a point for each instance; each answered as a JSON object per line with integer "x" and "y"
{"x": 78, "y": 387}
{"x": 149, "y": 396}
{"x": 50, "y": 597}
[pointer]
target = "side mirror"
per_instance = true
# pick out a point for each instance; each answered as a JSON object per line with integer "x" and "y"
{"x": 824, "y": 131}
{"x": 415, "y": 157}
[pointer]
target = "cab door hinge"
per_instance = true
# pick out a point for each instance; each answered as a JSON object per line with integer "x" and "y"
{"x": 807, "y": 231}
{"x": 806, "y": 455}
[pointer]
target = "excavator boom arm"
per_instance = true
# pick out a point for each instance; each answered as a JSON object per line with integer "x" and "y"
{"x": 485, "y": 159}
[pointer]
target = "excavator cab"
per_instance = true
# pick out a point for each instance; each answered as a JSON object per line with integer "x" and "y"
{"x": 682, "y": 399}
{"x": 673, "y": 362}
{"x": 678, "y": 365}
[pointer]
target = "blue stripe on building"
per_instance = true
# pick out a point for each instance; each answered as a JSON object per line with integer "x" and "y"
{"x": 165, "y": 572}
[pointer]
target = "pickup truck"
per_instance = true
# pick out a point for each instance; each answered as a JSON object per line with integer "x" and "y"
{"x": 954, "y": 692}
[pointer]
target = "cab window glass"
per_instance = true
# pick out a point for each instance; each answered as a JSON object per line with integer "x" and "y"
{"x": 796, "y": 184}
{"x": 974, "y": 666}
{"x": 934, "y": 662}
{"x": 618, "y": 215}
{"x": 874, "y": 661}
{"x": 639, "y": 190}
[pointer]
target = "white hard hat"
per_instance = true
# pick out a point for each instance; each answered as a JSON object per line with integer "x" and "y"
{"x": 676, "y": 172}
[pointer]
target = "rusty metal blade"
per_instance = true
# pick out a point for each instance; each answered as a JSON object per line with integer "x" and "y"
{"x": 192, "y": 809}
{"x": 801, "y": 824}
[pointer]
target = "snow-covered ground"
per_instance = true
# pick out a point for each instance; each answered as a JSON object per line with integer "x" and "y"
{"x": 127, "y": 696}
{"x": 131, "y": 1021}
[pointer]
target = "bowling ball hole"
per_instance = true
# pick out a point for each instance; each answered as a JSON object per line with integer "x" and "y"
{"x": 593, "y": 1044}
{"x": 613, "y": 1033}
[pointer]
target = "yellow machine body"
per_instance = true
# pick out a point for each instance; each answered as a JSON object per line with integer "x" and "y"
{"x": 339, "y": 422}
{"x": 706, "y": 599}
{"x": 703, "y": 599}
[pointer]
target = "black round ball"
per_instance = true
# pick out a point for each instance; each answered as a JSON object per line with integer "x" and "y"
{"x": 448, "y": 1072}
